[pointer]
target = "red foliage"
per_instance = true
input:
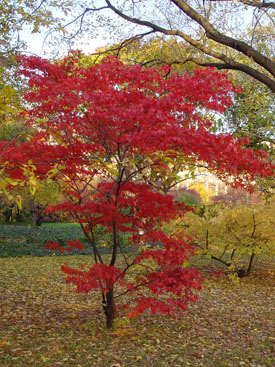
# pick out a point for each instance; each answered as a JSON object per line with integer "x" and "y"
{"x": 108, "y": 121}
{"x": 217, "y": 273}
{"x": 71, "y": 245}
{"x": 100, "y": 276}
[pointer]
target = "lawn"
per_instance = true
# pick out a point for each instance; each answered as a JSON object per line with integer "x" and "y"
{"x": 25, "y": 240}
{"x": 44, "y": 323}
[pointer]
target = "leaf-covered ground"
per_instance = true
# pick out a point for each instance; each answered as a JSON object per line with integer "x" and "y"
{"x": 44, "y": 323}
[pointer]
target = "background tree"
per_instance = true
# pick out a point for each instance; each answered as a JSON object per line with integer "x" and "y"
{"x": 11, "y": 129}
{"x": 31, "y": 204}
{"x": 31, "y": 16}
{"x": 233, "y": 235}
{"x": 17, "y": 17}
{"x": 216, "y": 29}
{"x": 154, "y": 51}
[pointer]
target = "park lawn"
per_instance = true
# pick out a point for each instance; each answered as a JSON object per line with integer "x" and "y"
{"x": 61, "y": 224}
{"x": 26, "y": 240}
{"x": 44, "y": 323}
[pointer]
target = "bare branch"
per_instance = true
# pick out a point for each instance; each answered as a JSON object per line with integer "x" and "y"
{"x": 123, "y": 44}
{"x": 81, "y": 16}
{"x": 213, "y": 34}
{"x": 230, "y": 65}
{"x": 258, "y": 4}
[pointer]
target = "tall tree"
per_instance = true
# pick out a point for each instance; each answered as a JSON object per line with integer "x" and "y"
{"x": 108, "y": 126}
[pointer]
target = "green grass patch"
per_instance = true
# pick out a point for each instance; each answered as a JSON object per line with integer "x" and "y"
{"x": 26, "y": 240}
{"x": 29, "y": 240}
{"x": 61, "y": 225}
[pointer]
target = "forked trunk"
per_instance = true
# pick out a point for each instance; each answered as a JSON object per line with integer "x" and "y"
{"x": 110, "y": 309}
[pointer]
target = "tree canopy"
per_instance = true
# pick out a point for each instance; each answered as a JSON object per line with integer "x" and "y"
{"x": 228, "y": 35}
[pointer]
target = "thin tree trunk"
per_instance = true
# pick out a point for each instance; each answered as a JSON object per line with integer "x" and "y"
{"x": 110, "y": 309}
{"x": 232, "y": 255}
{"x": 115, "y": 244}
{"x": 33, "y": 212}
{"x": 250, "y": 263}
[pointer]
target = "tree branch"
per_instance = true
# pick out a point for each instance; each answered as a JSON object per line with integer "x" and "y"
{"x": 233, "y": 43}
{"x": 230, "y": 65}
{"x": 258, "y": 4}
{"x": 123, "y": 44}
{"x": 214, "y": 34}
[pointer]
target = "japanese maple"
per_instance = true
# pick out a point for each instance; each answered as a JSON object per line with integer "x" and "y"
{"x": 105, "y": 130}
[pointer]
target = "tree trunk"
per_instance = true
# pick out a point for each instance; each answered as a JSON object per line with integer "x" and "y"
{"x": 110, "y": 309}
{"x": 244, "y": 273}
{"x": 250, "y": 263}
{"x": 33, "y": 212}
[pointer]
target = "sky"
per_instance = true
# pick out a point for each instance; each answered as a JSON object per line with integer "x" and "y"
{"x": 35, "y": 43}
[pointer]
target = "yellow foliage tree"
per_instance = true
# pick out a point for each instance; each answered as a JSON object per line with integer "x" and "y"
{"x": 205, "y": 194}
{"x": 230, "y": 235}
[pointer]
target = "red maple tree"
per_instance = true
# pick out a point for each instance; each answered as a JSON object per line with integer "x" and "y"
{"x": 104, "y": 128}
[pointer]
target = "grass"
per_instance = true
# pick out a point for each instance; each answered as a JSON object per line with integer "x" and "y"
{"x": 60, "y": 225}
{"x": 25, "y": 240}
{"x": 45, "y": 324}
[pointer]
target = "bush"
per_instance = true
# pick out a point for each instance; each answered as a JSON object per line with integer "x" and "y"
{"x": 187, "y": 199}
